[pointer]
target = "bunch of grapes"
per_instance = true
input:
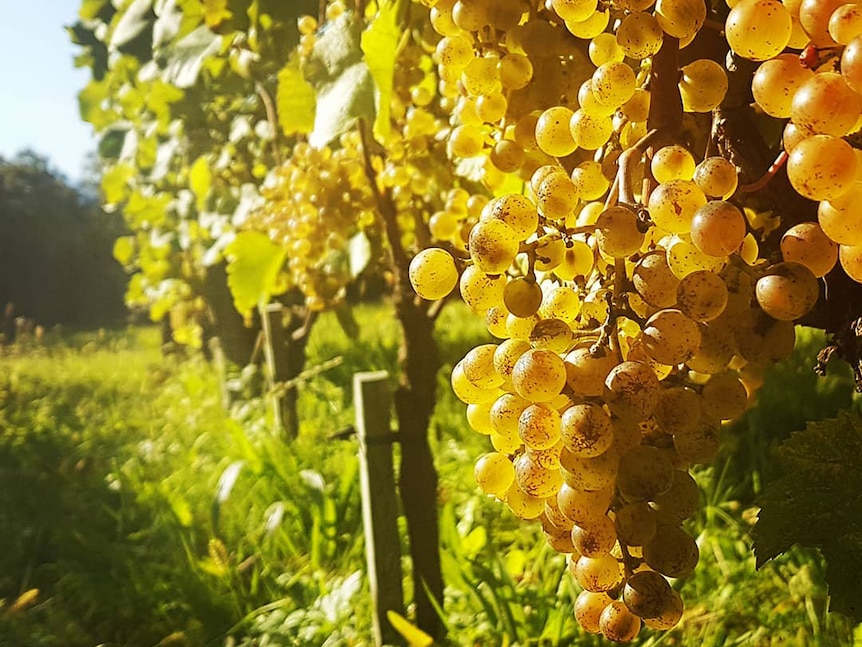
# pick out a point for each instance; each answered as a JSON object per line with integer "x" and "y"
{"x": 634, "y": 309}
{"x": 313, "y": 203}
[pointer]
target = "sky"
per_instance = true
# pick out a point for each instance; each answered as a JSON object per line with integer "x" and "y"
{"x": 39, "y": 84}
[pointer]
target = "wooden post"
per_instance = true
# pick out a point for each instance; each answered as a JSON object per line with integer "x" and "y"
{"x": 373, "y": 402}
{"x": 275, "y": 348}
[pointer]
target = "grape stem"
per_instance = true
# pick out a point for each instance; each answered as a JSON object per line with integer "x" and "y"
{"x": 629, "y": 563}
{"x": 271, "y": 117}
{"x": 627, "y": 159}
{"x": 766, "y": 177}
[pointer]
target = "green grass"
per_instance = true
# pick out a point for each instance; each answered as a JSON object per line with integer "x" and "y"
{"x": 145, "y": 514}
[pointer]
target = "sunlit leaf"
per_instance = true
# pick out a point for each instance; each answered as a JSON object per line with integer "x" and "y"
{"x": 379, "y": 44}
{"x": 200, "y": 181}
{"x": 215, "y": 12}
{"x": 136, "y": 18}
{"x": 124, "y": 249}
{"x": 115, "y": 183}
{"x": 253, "y": 269}
{"x": 186, "y": 57}
{"x": 414, "y": 636}
{"x": 296, "y": 101}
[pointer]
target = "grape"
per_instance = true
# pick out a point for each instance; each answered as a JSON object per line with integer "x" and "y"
{"x": 590, "y": 104}
{"x": 672, "y": 163}
{"x": 808, "y": 245}
{"x": 617, "y": 232}
{"x": 481, "y": 76}
{"x": 681, "y": 19}
{"x": 631, "y": 390}
{"x": 589, "y": 180}
{"x": 516, "y": 70}
{"x": 644, "y": 472}
{"x": 517, "y": 211}
{"x": 787, "y": 292}
{"x": 495, "y": 321}
{"x": 574, "y": 10}
{"x": 824, "y": 103}
{"x": 466, "y": 141}
{"x": 507, "y": 155}
{"x": 670, "y": 337}
{"x": 681, "y": 500}
{"x": 491, "y": 108}
{"x": 590, "y": 27}
{"x": 639, "y": 35}
{"x": 760, "y": 339}
{"x": 851, "y": 261}
{"x": 523, "y": 505}
{"x": 775, "y": 83}
{"x": 724, "y": 397}
{"x": 539, "y": 427}
{"x": 654, "y": 281}
{"x": 562, "y": 303}
{"x": 613, "y": 83}
{"x": 586, "y": 430}
{"x": 553, "y": 134}
{"x": 493, "y": 246}
{"x": 716, "y": 177}
{"x": 840, "y": 225}
{"x": 758, "y": 29}
{"x": 586, "y": 371}
{"x": 851, "y": 64}
{"x": 703, "y": 84}
{"x": 821, "y": 167}
{"x": 520, "y": 327}
{"x": 618, "y": 624}
{"x": 494, "y": 474}
{"x": 454, "y": 52}
{"x": 605, "y": 49}
{"x": 671, "y": 552}
{"x": 637, "y": 108}
{"x": 717, "y": 228}
{"x": 647, "y": 594}
{"x": 678, "y": 410}
{"x": 557, "y": 196}
{"x": 672, "y": 205}
{"x": 702, "y": 295}
{"x": 470, "y": 15}
{"x": 717, "y": 347}
{"x": 700, "y": 445}
{"x": 522, "y": 297}
{"x": 595, "y": 538}
{"x": 636, "y": 523}
{"x": 468, "y": 392}
{"x": 597, "y": 574}
{"x": 433, "y": 273}
{"x": 845, "y": 23}
{"x": 669, "y": 616}
{"x": 441, "y": 19}
{"x": 479, "y": 417}
{"x": 481, "y": 291}
{"x": 594, "y": 473}
{"x": 549, "y": 254}
{"x": 506, "y": 412}
{"x": 507, "y": 354}
{"x": 814, "y": 16}
{"x": 590, "y": 131}
{"x": 588, "y": 610}
{"x": 536, "y": 481}
{"x": 582, "y": 506}
{"x": 478, "y": 367}
{"x": 539, "y": 375}
{"x": 552, "y": 334}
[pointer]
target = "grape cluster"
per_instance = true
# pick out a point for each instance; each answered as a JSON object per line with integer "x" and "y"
{"x": 634, "y": 310}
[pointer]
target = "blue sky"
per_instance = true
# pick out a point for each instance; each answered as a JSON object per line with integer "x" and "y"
{"x": 39, "y": 84}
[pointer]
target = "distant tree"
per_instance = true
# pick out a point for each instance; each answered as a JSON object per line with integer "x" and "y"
{"x": 56, "y": 260}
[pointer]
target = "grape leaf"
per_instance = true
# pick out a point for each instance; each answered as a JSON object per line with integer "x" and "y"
{"x": 137, "y": 18}
{"x": 185, "y": 58}
{"x": 200, "y": 181}
{"x": 254, "y": 263}
{"x": 296, "y": 101}
{"x": 379, "y": 43}
{"x": 818, "y": 504}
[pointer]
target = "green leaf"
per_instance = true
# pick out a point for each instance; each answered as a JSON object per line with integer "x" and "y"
{"x": 201, "y": 181}
{"x": 296, "y": 101}
{"x": 254, "y": 263}
{"x": 186, "y": 58}
{"x": 90, "y": 103}
{"x": 115, "y": 183}
{"x": 414, "y": 636}
{"x": 380, "y": 44}
{"x": 818, "y": 504}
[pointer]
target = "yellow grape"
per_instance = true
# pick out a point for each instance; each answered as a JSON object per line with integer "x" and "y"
{"x": 824, "y": 103}
{"x": 672, "y": 163}
{"x": 575, "y": 10}
{"x": 535, "y": 480}
{"x": 454, "y": 52}
{"x": 479, "y": 369}
{"x": 553, "y": 134}
{"x": 702, "y": 295}
{"x": 776, "y": 81}
{"x": 670, "y": 337}
{"x": 523, "y": 505}
{"x": 557, "y": 196}
{"x": 717, "y": 228}
{"x": 596, "y": 538}
{"x": 760, "y": 339}
{"x": 590, "y": 104}
{"x": 617, "y": 232}
{"x": 549, "y": 254}
{"x": 588, "y": 610}
{"x": 724, "y": 397}
{"x": 604, "y": 48}
{"x": 577, "y": 261}
{"x": 471, "y": 15}
{"x": 791, "y": 136}
{"x": 631, "y": 391}
{"x": 466, "y": 141}
{"x": 613, "y": 83}
{"x": 807, "y": 244}
{"x": 678, "y": 410}
{"x": 758, "y": 29}
{"x": 597, "y": 574}
{"x": 703, "y": 85}
{"x": 647, "y": 593}
{"x": 654, "y": 281}
{"x": 672, "y": 552}
{"x": 539, "y": 426}
{"x": 507, "y": 155}
{"x": 672, "y": 205}
{"x": 493, "y": 246}
{"x": 716, "y": 177}
{"x": 516, "y": 70}
{"x": 516, "y": 210}
{"x": 520, "y": 327}
{"x": 843, "y": 226}
{"x": 591, "y": 27}
{"x": 851, "y": 261}
{"x": 683, "y": 258}
{"x": 618, "y": 624}
{"x": 589, "y": 131}
{"x": 670, "y": 614}
{"x": 481, "y": 76}
{"x": 680, "y": 18}
{"x": 640, "y": 35}
{"x": 644, "y": 473}
{"x": 491, "y": 108}
{"x": 590, "y": 213}
{"x": 562, "y": 303}
{"x": 539, "y": 375}
{"x": 494, "y": 474}
{"x": 586, "y": 430}
{"x": 495, "y": 321}
{"x": 845, "y": 23}
{"x": 589, "y": 180}
{"x": 821, "y": 167}
{"x": 586, "y": 371}
{"x": 814, "y": 16}
{"x": 851, "y": 64}
{"x": 787, "y": 291}
{"x": 522, "y": 297}
{"x": 468, "y": 392}
{"x": 433, "y": 273}
{"x": 637, "y": 108}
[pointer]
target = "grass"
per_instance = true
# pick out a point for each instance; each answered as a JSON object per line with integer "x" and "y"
{"x": 145, "y": 514}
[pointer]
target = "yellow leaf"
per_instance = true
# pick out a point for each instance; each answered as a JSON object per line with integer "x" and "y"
{"x": 380, "y": 45}
{"x": 414, "y": 636}
{"x": 296, "y": 100}
{"x": 216, "y": 12}
{"x": 200, "y": 181}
